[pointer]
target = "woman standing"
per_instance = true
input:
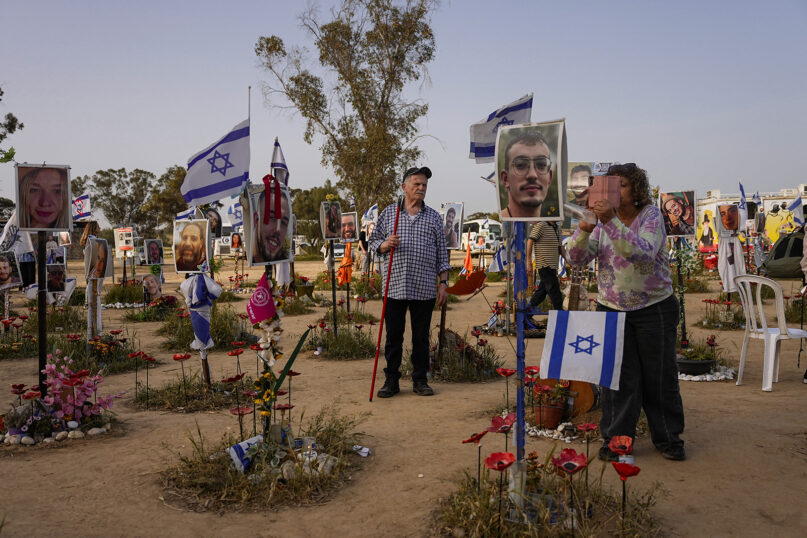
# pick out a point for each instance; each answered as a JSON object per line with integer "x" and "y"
{"x": 634, "y": 277}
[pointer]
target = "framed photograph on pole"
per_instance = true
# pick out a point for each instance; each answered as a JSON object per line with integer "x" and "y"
{"x": 43, "y": 197}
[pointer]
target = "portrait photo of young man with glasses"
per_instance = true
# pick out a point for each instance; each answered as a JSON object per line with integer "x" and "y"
{"x": 527, "y": 159}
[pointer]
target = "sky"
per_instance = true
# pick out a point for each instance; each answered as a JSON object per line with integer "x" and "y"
{"x": 702, "y": 94}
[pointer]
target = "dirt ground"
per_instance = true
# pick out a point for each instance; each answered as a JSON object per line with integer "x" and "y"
{"x": 746, "y": 472}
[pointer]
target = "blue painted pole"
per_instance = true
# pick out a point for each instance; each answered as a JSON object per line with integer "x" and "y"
{"x": 520, "y": 293}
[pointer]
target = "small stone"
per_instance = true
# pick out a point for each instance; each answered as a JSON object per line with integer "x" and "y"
{"x": 48, "y": 440}
{"x": 75, "y": 434}
{"x": 327, "y": 464}
{"x": 72, "y": 424}
{"x": 12, "y": 440}
{"x": 27, "y": 440}
{"x": 420, "y": 475}
{"x": 108, "y": 426}
{"x": 288, "y": 470}
{"x": 61, "y": 436}
{"x": 96, "y": 431}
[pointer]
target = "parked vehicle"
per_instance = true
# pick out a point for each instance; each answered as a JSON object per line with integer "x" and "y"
{"x": 484, "y": 235}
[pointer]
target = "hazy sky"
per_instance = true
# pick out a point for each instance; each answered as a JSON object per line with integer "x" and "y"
{"x": 700, "y": 93}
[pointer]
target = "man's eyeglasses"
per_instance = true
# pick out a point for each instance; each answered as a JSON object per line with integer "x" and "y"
{"x": 521, "y": 165}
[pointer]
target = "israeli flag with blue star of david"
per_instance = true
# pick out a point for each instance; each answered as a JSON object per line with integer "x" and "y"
{"x": 219, "y": 170}
{"x": 584, "y": 346}
{"x": 236, "y": 214}
{"x": 81, "y": 208}
{"x": 483, "y": 132}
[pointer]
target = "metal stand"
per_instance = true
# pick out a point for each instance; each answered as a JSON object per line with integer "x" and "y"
{"x": 333, "y": 285}
{"x": 684, "y": 339}
{"x": 42, "y": 310}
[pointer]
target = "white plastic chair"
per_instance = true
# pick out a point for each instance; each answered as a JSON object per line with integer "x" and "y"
{"x": 756, "y": 326}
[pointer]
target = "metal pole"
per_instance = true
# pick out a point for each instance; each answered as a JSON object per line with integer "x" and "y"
{"x": 42, "y": 310}
{"x": 333, "y": 285}
{"x": 441, "y": 337}
{"x": 684, "y": 339}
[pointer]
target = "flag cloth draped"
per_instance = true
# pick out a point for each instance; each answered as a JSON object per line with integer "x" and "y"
{"x": 278, "y": 166}
{"x": 498, "y": 263}
{"x": 468, "y": 265}
{"x": 81, "y": 208}
{"x": 236, "y": 214}
{"x": 371, "y": 215}
{"x": 346, "y": 267}
{"x": 743, "y": 207}
{"x": 261, "y": 305}
{"x": 188, "y": 214}
{"x": 797, "y": 207}
{"x": 13, "y": 239}
{"x": 483, "y": 132}
{"x": 220, "y": 170}
{"x": 757, "y": 200}
{"x": 200, "y": 291}
{"x": 584, "y": 346}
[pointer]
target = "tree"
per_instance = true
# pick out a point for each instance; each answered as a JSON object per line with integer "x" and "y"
{"x": 121, "y": 195}
{"x": 8, "y": 126}
{"x": 371, "y": 50}
{"x": 6, "y": 209}
{"x": 165, "y": 203}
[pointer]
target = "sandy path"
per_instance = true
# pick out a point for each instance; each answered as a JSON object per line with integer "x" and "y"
{"x": 745, "y": 474}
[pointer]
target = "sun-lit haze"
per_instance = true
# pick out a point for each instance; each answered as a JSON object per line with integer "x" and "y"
{"x": 701, "y": 94}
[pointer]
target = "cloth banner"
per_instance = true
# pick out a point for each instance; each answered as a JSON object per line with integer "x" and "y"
{"x": 81, "y": 208}
{"x": 730, "y": 261}
{"x": 15, "y": 240}
{"x": 584, "y": 346}
{"x": 261, "y": 305}
{"x": 346, "y": 267}
{"x": 483, "y": 132}
{"x": 498, "y": 263}
{"x": 278, "y": 166}
{"x": 468, "y": 264}
{"x": 283, "y": 274}
{"x": 220, "y": 170}
{"x": 200, "y": 291}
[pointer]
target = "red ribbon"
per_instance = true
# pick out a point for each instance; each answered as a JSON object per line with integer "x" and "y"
{"x": 268, "y": 180}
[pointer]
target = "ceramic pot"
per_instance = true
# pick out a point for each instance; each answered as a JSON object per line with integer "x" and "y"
{"x": 695, "y": 367}
{"x": 548, "y": 416}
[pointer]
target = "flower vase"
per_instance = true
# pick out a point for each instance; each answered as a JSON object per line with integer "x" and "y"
{"x": 548, "y": 415}
{"x": 306, "y": 289}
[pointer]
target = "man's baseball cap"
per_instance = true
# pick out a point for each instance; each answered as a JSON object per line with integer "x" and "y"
{"x": 415, "y": 170}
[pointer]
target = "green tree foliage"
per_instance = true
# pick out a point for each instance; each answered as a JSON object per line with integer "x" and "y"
{"x": 166, "y": 202}
{"x": 370, "y": 50}
{"x": 8, "y": 126}
{"x": 6, "y": 209}
{"x": 121, "y": 195}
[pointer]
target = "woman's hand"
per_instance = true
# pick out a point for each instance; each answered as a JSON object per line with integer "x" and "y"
{"x": 604, "y": 211}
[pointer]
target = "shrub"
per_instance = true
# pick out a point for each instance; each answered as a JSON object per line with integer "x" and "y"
{"x": 795, "y": 311}
{"x": 462, "y": 362}
{"x": 108, "y": 353}
{"x": 78, "y": 297}
{"x": 295, "y": 306}
{"x": 351, "y": 342}
{"x": 230, "y": 297}
{"x": 158, "y": 310}
{"x": 64, "y": 318}
{"x": 131, "y": 293}
{"x": 356, "y": 315}
{"x": 225, "y": 326}
{"x": 171, "y": 396}
{"x": 367, "y": 286}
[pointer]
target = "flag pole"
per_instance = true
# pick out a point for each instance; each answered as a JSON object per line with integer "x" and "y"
{"x": 386, "y": 292}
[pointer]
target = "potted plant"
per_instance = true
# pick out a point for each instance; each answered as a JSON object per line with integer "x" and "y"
{"x": 304, "y": 287}
{"x": 698, "y": 358}
{"x": 549, "y": 403}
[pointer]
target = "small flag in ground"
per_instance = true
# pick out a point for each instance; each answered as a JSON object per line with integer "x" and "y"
{"x": 81, "y": 208}
{"x": 219, "y": 170}
{"x": 483, "y": 132}
{"x": 371, "y": 215}
{"x": 236, "y": 214}
{"x": 743, "y": 207}
{"x": 584, "y": 346}
{"x": 498, "y": 263}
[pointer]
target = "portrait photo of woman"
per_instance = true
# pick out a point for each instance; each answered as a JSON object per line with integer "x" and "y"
{"x": 43, "y": 198}
{"x": 235, "y": 242}
{"x": 214, "y": 218}
{"x": 331, "y": 220}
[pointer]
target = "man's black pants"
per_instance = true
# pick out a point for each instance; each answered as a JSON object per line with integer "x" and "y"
{"x": 549, "y": 285}
{"x": 420, "y": 313}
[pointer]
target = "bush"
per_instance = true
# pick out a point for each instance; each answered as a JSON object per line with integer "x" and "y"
{"x": 131, "y": 293}
{"x": 171, "y": 397}
{"x": 795, "y": 311}
{"x": 78, "y": 297}
{"x": 11, "y": 348}
{"x": 352, "y": 342}
{"x": 158, "y": 310}
{"x": 64, "y": 318}
{"x": 295, "y": 306}
{"x": 357, "y": 315}
{"x": 207, "y": 480}
{"x": 462, "y": 362}
{"x": 367, "y": 286}
{"x": 225, "y": 326}
{"x": 108, "y": 353}
{"x": 230, "y": 297}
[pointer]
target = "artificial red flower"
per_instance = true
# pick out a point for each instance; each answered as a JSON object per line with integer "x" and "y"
{"x": 250, "y": 393}
{"x": 506, "y": 372}
{"x": 241, "y": 411}
{"x": 237, "y": 344}
{"x": 476, "y": 332}
{"x": 502, "y": 425}
{"x": 235, "y": 352}
{"x": 311, "y": 326}
{"x": 255, "y": 347}
{"x": 182, "y": 356}
{"x": 565, "y": 383}
{"x": 243, "y": 316}
{"x": 358, "y": 327}
{"x": 372, "y": 323}
{"x": 281, "y": 392}
{"x": 234, "y": 379}
{"x": 481, "y": 342}
{"x": 80, "y": 374}
{"x": 499, "y": 461}
{"x": 621, "y": 444}
{"x": 23, "y": 317}
{"x": 149, "y": 358}
{"x": 135, "y": 354}
{"x": 283, "y": 407}
{"x": 292, "y": 373}
{"x": 475, "y": 438}
{"x": 6, "y": 322}
{"x": 532, "y": 370}
{"x": 322, "y": 324}
{"x": 31, "y": 395}
{"x": 116, "y": 331}
{"x": 570, "y": 461}
{"x": 625, "y": 470}
{"x": 587, "y": 427}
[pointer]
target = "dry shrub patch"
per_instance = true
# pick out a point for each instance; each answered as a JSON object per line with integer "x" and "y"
{"x": 351, "y": 342}
{"x": 206, "y": 480}
{"x": 225, "y": 326}
{"x": 171, "y": 397}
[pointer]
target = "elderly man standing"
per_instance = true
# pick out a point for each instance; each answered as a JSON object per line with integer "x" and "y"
{"x": 420, "y": 257}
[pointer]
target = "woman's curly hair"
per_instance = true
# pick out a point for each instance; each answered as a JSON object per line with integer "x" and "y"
{"x": 639, "y": 182}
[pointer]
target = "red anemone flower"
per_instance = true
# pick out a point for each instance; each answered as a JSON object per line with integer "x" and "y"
{"x": 625, "y": 470}
{"x": 475, "y": 438}
{"x": 250, "y": 393}
{"x": 234, "y": 379}
{"x": 476, "y": 332}
{"x": 182, "y": 356}
{"x": 292, "y": 373}
{"x": 506, "y": 372}
{"x": 372, "y": 323}
{"x": 6, "y": 322}
{"x": 311, "y": 326}
{"x": 284, "y": 407}
{"x": 281, "y": 392}
{"x": 570, "y": 461}
{"x": 587, "y": 427}
{"x": 621, "y": 444}
{"x": 241, "y": 411}
{"x": 532, "y": 370}
{"x": 32, "y": 395}
{"x": 135, "y": 354}
{"x": 149, "y": 358}
{"x": 237, "y": 344}
{"x": 23, "y": 317}
{"x": 499, "y": 461}
{"x": 358, "y": 327}
{"x": 235, "y": 352}
{"x": 502, "y": 425}
{"x": 18, "y": 389}
{"x": 80, "y": 374}
{"x": 322, "y": 324}
{"x": 255, "y": 347}
{"x": 116, "y": 331}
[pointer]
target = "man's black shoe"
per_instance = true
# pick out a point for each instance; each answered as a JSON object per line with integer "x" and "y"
{"x": 675, "y": 453}
{"x": 421, "y": 388}
{"x": 389, "y": 389}
{"x": 606, "y": 454}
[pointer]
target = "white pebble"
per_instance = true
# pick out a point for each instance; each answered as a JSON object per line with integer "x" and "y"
{"x": 12, "y": 440}
{"x": 27, "y": 440}
{"x": 48, "y": 440}
{"x": 61, "y": 436}
{"x": 420, "y": 475}
{"x": 96, "y": 431}
{"x": 75, "y": 434}
{"x": 72, "y": 424}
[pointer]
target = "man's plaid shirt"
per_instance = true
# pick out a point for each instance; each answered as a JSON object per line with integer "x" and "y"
{"x": 420, "y": 257}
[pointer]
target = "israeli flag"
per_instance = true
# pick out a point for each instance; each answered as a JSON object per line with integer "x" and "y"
{"x": 584, "y": 346}
{"x": 371, "y": 215}
{"x": 189, "y": 214}
{"x": 200, "y": 291}
{"x": 757, "y": 200}
{"x": 352, "y": 202}
{"x": 483, "y": 132}
{"x": 278, "y": 166}
{"x": 236, "y": 214}
{"x": 81, "y": 208}
{"x": 220, "y": 170}
{"x": 797, "y": 208}
{"x": 498, "y": 263}
{"x": 743, "y": 207}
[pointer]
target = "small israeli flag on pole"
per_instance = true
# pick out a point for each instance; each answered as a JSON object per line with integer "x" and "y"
{"x": 219, "y": 170}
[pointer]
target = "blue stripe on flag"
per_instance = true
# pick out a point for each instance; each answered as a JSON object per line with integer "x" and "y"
{"x": 208, "y": 190}
{"x": 609, "y": 348}
{"x": 234, "y": 135}
{"x": 505, "y": 111}
{"x": 483, "y": 151}
{"x": 558, "y": 344}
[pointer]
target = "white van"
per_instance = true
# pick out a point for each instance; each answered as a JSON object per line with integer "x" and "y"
{"x": 484, "y": 234}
